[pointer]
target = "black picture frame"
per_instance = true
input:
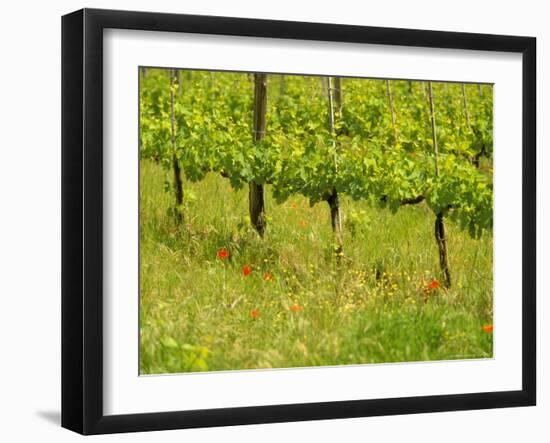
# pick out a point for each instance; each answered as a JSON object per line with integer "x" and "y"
{"x": 82, "y": 218}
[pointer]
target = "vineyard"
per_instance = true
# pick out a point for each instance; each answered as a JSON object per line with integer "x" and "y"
{"x": 302, "y": 221}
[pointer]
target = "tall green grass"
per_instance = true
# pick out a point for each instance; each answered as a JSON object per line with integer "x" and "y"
{"x": 298, "y": 307}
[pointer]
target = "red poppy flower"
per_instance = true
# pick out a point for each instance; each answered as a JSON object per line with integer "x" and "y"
{"x": 303, "y": 223}
{"x": 254, "y": 313}
{"x": 487, "y": 328}
{"x": 268, "y": 276}
{"x": 293, "y": 206}
{"x": 434, "y": 284}
{"x": 247, "y": 269}
{"x": 222, "y": 254}
{"x": 296, "y": 308}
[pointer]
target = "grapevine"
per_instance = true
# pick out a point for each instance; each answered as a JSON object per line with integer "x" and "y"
{"x": 388, "y": 142}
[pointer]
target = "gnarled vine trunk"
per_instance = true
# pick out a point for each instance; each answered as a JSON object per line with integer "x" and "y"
{"x": 440, "y": 236}
{"x": 332, "y": 199}
{"x": 178, "y": 184}
{"x": 441, "y": 240}
{"x": 336, "y": 221}
{"x": 256, "y": 202}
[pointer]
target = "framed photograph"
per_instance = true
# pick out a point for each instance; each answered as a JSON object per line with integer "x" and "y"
{"x": 269, "y": 221}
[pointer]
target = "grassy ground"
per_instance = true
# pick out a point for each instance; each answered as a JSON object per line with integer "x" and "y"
{"x": 296, "y": 308}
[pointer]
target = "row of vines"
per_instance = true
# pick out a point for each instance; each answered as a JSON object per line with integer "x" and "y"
{"x": 391, "y": 143}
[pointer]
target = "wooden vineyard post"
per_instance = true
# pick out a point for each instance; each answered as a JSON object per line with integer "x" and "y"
{"x": 332, "y": 200}
{"x": 440, "y": 236}
{"x": 337, "y": 95}
{"x": 465, "y": 103}
{"x": 256, "y": 190}
{"x": 175, "y": 164}
{"x": 434, "y": 135}
{"x": 475, "y": 159}
{"x": 281, "y": 85}
{"x": 390, "y": 101}
{"x": 282, "y": 89}
{"x": 180, "y": 82}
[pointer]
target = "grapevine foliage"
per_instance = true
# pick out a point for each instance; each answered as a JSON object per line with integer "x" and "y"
{"x": 214, "y": 112}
